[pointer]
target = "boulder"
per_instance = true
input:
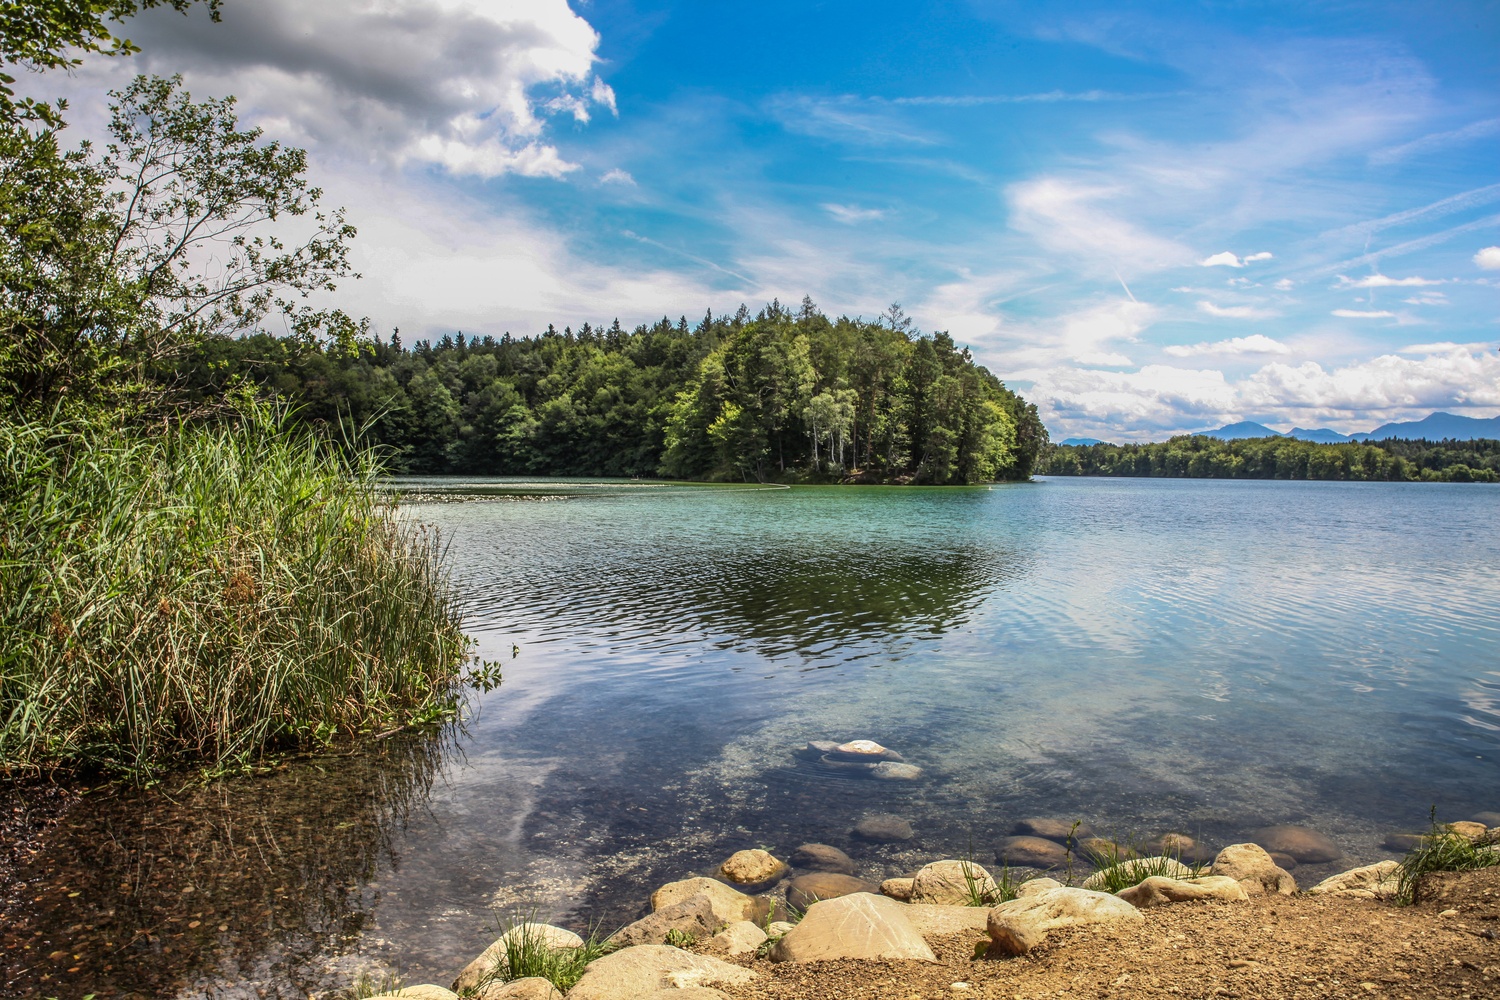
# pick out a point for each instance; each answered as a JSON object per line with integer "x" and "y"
{"x": 494, "y": 955}
{"x": 739, "y": 938}
{"x": 1140, "y": 868}
{"x": 1032, "y": 886}
{"x": 1060, "y": 830}
{"x": 1031, "y": 852}
{"x": 728, "y": 903}
{"x": 1309, "y": 847}
{"x": 530, "y": 988}
{"x": 1020, "y": 925}
{"x": 888, "y": 770}
{"x": 805, "y": 890}
{"x": 641, "y": 971}
{"x": 1253, "y": 869}
{"x": 694, "y": 917}
{"x": 866, "y": 751}
{"x": 755, "y": 867}
{"x": 883, "y": 828}
{"x": 932, "y": 920}
{"x": 1377, "y": 881}
{"x": 1466, "y": 828}
{"x": 1159, "y": 890}
{"x": 951, "y": 883}
{"x": 822, "y": 858}
{"x": 898, "y": 888}
{"x": 859, "y": 926}
{"x": 424, "y": 992}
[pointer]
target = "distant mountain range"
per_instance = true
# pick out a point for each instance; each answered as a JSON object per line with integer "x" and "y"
{"x": 1081, "y": 441}
{"x": 1434, "y": 427}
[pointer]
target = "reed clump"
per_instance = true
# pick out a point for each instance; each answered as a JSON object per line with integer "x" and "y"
{"x": 203, "y": 594}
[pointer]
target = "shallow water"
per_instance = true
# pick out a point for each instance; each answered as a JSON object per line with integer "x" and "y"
{"x": 1146, "y": 655}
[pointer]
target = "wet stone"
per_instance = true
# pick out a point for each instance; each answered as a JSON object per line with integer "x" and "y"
{"x": 1060, "y": 830}
{"x": 1309, "y": 847}
{"x": 805, "y": 890}
{"x": 752, "y": 868}
{"x": 883, "y": 828}
{"x": 822, "y": 858}
{"x": 1031, "y": 852}
{"x": 1283, "y": 861}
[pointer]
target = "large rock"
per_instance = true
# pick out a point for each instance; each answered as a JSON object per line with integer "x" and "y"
{"x": 530, "y": 988}
{"x": 1159, "y": 890}
{"x": 822, "y": 858}
{"x": 1020, "y": 925}
{"x": 424, "y": 992}
{"x": 1309, "y": 847}
{"x": 883, "y": 828}
{"x": 633, "y": 973}
{"x": 860, "y": 926}
{"x": 1140, "y": 868}
{"x": 1031, "y": 852}
{"x": 1253, "y": 869}
{"x": 863, "y": 751}
{"x": 805, "y": 890}
{"x": 693, "y": 917}
{"x": 1032, "y": 886}
{"x": 755, "y": 867}
{"x": 936, "y": 921}
{"x": 1060, "y": 830}
{"x": 952, "y": 883}
{"x": 1468, "y": 829}
{"x": 1377, "y": 881}
{"x": 494, "y": 956}
{"x": 729, "y": 904}
{"x": 690, "y": 993}
{"x": 739, "y": 938}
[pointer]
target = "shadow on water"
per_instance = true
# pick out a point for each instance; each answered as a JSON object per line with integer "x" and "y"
{"x": 246, "y": 880}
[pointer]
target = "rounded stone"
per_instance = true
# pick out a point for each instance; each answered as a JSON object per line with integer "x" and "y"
{"x": 898, "y": 888}
{"x": 1060, "y": 830}
{"x": 1283, "y": 861}
{"x": 1098, "y": 850}
{"x": 1468, "y": 829}
{"x": 1401, "y": 842}
{"x": 822, "y": 858}
{"x": 1170, "y": 844}
{"x": 883, "y": 828}
{"x": 1031, "y": 852}
{"x": 805, "y": 890}
{"x": 754, "y": 867}
{"x": 1489, "y": 819}
{"x": 952, "y": 883}
{"x": 889, "y": 770}
{"x": 1309, "y": 847}
{"x": 861, "y": 751}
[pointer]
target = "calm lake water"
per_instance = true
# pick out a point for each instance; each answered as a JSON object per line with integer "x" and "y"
{"x": 1146, "y": 655}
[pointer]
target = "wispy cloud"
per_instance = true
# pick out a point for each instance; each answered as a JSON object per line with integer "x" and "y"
{"x": 1234, "y": 312}
{"x": 1385, "y": 281}
{"x": 851, "y": 214}
{"x": 618, "y": 176}
{"x": 1257, "y": 343}
{"x": 1047, "y": 97}
{"x": 1363, "y": 313}
{"x": 1436, "y": 140}
{"x": 846, "y": 119}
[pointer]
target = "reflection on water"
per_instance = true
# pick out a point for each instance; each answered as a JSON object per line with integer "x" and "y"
{"x": 1199, "y": 656}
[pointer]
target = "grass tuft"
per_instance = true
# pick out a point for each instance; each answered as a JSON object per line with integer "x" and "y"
{"x": 528, "y": 954}
{"x": 1441, "y": 851}
{"x": 208, "y": 594}
{"x": 1122, "y": 867}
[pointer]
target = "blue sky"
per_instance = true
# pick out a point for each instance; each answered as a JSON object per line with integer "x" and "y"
{"x": 1147, "y": 217}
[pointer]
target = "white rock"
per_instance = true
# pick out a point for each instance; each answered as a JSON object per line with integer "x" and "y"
{"x": 935, "y": 921}
{"x": 740, "y": 938}
{"x": 951, "y": 883}
{"x": 1032, "y": 886}
{"x": 1020, "y": 925}
{"x": 1252, "y": 867}
{"x": 1158, "y": 890}
{"x": 861, "y": 746}
{"x": 1377, "y": 881}
{"x": 860, "y": 926}
{"x": 642, "y": 970}
{"x": 728, "y": 904}
{"x": 1139, "y": 868}
{"x": 553, "y": 937}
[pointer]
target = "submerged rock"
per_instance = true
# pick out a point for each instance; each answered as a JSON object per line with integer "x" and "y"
{"x": 891, "y": 771}
{"x": 1489, "y": 819}
{"x": 643, "y": 971}
{"x": 951, "y": 883}
{"x": 883, "y": 828}
{"x": 805, "y": 890}
{"x": 1059, "y": 830}
{"x": 858, "y": 926}
{"x": 1031, "y": 852}
{"x": 1309, "y": 847}
{"x": 1159, "y": 890}
{"x": 1097, "y": 850}
{"x": 1377, "y": 881}
{"x": 1402, "y": 841}
{"x": 1251, "y": 866}
{"x": 1283, "y": 860}
{"x": 1020, "y": 925}
{"x": 822, "y": 858}
{"x": 755, "y": 867}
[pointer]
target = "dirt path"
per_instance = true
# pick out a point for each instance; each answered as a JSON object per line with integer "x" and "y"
{"x": 1286, "y": 948}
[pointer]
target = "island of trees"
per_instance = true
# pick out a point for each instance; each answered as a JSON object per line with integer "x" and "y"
{"x": 1201, "y": 457}
{"x": 778, "y": 396}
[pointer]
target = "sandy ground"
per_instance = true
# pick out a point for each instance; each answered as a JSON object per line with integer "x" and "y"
{"x": 1286, "y": 947}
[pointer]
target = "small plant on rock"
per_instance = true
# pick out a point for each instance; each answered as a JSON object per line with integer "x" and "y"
{"x": 1122, "y": 867}
{"x": 528, "y": 954}
{"x": 1442, "y": 850}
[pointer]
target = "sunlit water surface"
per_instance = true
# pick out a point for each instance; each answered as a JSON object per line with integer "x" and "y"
{"x": 1146, "y": 655}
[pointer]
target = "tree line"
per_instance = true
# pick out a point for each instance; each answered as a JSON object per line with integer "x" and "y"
{"x": 1199, "y": 457}
{"x": 781, "y": 395}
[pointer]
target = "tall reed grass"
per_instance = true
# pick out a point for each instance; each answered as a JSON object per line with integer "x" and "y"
{"x": 205, "y": 594}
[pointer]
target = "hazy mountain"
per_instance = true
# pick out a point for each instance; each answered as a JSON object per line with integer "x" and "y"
{"x": 1243, "y": 429}
{"x": 1436, "y": 427}
{"x": 1082, "y": 441}
{"x": 1321, "y": 435}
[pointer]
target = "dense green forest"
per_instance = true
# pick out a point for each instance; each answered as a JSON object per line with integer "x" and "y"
{"x": 1281, "y": 458}
{"x": 782, "y": 395}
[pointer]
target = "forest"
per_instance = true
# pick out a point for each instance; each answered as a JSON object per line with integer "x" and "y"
{"x": 778, "y": 396}
{"x": 1200, "y": 457}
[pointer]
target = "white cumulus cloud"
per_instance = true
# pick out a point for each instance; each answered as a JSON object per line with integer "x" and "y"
{"x": 1257, "y": 343}
{"x": 1228, "y": 259}
{"x": 1488, "y": 258}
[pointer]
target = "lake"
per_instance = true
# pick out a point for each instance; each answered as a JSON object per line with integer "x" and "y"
{"x": 1146, "y": 655}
